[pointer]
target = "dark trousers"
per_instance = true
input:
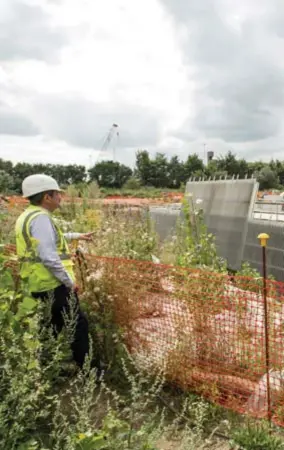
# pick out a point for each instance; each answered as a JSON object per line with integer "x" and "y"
{"x": 61, "y": 298}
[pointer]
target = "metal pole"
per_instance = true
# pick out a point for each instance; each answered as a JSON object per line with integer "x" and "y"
{"x": 263, "y": 241}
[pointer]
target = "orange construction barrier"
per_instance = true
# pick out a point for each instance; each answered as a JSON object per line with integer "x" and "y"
{"x": 207, "y": 330}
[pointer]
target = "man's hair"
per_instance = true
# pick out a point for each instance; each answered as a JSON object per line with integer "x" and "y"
{"x": 37, "y": 199}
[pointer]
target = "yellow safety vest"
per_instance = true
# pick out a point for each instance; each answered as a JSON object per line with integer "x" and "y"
{"x": 38, "y": 277}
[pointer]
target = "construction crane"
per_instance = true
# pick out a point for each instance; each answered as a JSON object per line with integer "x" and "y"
{"x": 107, "y": 140}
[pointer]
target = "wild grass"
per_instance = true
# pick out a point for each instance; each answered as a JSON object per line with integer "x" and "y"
{"x": 41, "y": 411}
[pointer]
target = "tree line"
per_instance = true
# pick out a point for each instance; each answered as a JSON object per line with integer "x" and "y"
{"x": 158, "y": 171}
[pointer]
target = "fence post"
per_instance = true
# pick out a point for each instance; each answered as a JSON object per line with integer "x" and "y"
{"x": 263, "y": 237}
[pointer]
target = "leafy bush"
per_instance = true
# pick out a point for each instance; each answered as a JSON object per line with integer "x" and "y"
{"x": 6, "y": 182}
{"x": 101, "y": 419}
{"x": 249, "y": 279}
{"x": 267, "y": 179}
{"x": 24, "y": 384}
{"x": 93, "y": 190}
{"x": 193, "y": 246}
{"x": 123, "y": 233}
{"x": 36, "y": 413}
{"x": 132, "y": 183}
{"x": 72, "y": 191}
{"x": 253, "y": 437}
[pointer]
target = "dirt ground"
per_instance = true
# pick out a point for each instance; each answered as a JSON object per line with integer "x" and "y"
{"x": 131, "y": 201}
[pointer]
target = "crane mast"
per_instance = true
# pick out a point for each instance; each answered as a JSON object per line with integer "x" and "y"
{"x": 108, "y": 139}
{"x": 110, "y": 135}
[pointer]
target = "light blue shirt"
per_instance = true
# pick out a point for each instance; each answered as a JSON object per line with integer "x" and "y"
{"x": 42, "y": 229}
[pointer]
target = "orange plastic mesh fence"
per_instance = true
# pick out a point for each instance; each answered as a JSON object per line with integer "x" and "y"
{"x": 206, "y": 330}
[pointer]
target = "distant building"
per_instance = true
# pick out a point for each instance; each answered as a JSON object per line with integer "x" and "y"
{"x": 210, "y": 156}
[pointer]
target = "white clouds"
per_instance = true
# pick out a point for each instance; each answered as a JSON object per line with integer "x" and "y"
{"x": 238, "y": 68}
{"x": 125, "y": 51}
{"x": 42, "y": 150}
{"x": 25, "y": 32}
{"x": 14, "y": 123}
{"x": 172, "y": 73}
{"x": 121, "y": 64}
{"x": 81, "y": 122}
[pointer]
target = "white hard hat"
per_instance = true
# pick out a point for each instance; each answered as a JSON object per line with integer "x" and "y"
{"x": 35, "y": 184}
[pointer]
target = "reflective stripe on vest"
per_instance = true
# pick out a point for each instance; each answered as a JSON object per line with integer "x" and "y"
{"x": 36, "y": 259}
{"x": 28, "y": 241}
{"x": 32, "y": 269}
{"x": 64, "y": 256}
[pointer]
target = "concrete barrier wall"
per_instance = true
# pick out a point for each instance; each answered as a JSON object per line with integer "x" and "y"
{"x": 165, "y": 219}
{"x": 275, "y": 248}
{"x": 227, "y": 205}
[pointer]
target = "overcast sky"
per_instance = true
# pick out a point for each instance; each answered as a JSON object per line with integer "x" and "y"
{"x": 173, "y": 74}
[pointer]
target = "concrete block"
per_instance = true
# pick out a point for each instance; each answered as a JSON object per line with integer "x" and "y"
{"x": 275, "y": 248}
{"x": 227, "y": 205}
{"x": 165, "y": 219}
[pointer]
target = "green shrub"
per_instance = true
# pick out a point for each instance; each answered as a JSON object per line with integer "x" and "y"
{"x": 38, "y": 413}
{"x": 72, "y": 191}
{"x": 193, "y": 246}
{"x": 249, "y": 279}
{"x": 93, "y": 190}
{"x": 26, "y": 398}
{"x": 124, "y": 233}
{"x": 132, "y": 183}
{"x": 253, "y": 437}
{"x": 6, "y": 182}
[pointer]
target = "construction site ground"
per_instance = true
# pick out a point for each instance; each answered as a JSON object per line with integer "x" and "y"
{"x": 131, "y": 201}
{"x": 253, "y": 311}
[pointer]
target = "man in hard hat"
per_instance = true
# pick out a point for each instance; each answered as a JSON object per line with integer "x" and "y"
{"x": 45, "y": 259}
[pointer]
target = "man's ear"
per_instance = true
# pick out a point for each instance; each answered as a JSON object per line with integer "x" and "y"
{"x": 46, "y": 197}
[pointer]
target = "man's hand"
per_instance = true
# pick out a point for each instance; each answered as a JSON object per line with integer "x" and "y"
{"x": 76, "y": 289}
{"x": 87, "y": 236}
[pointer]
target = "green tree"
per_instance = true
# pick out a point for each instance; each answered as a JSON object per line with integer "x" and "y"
{"x": 65, "y": 175}
{"x": 243, "y": 169}
{"x": 160, "y": 171}
{"x": 144, "y": 167}
{"x": 7, "y": 166}
{"x": 255, "y": 167}
{"x": 110, "y": 174}
{"x": 75, "y": 173}
{"x": 211, "y": 170}
{"x": 278, "y": 167}
{"x": 193, "y": 165}
{"x": 232, "y": 166}
{"x": 23, "y": 170}
{"x": 6, "y": 182}
{"x": 176, "y": 172}
{"x": 267, "y": 179}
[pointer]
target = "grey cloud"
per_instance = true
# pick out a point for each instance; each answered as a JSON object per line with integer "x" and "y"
{"x": 240, "y": 90}
{"x": 14, "y": 123}
{"x": 84, "y": 123}
{"x": 237, "y": 125}
{"x": 275, "y": 18}
{"x": 26, "y": 33}
{"x": 209, "y": 40}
